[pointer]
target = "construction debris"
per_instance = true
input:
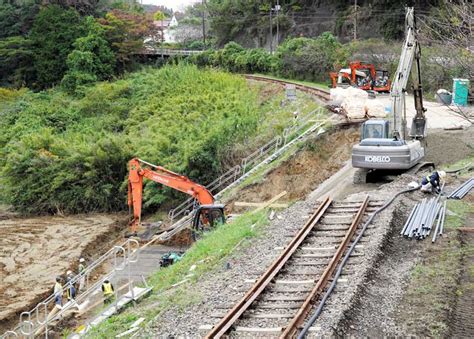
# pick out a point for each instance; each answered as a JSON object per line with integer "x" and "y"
{"x": 462, "y": 190}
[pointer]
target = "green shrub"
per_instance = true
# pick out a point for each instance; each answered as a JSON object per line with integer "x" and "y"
{"x": 66, "y": 153}
{"x": 310, "y": 59}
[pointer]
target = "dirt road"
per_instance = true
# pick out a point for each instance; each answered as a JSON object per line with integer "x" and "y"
{"x": 36, "y": 250}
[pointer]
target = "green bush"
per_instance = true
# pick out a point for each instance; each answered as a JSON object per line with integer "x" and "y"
{"x": 298, "y": 58}
{"x": 70, "y": 154}
{"x": 235, "y": 58}
{"x": 310, "y": 59}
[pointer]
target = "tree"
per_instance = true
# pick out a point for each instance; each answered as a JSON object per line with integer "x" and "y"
{"x": 16, "y": 68}
{"x": 17, "y": 18}
{"x": 53, "y": 34}
{"x": 126, "y": 33}
{"x": 451, "y": 25}
{"x": 310, "y": 59}
{"x": 91, "y": 60}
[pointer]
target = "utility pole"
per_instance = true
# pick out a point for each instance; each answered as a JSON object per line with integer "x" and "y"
{"x": 271, "y": 31}
{"x": 277, "y": 9}
{"x": 355, "y": 20}
{"x": 203, "y": 4}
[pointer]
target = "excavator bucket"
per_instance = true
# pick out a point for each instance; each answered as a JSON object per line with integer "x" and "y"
{"x": 418, "y": 128}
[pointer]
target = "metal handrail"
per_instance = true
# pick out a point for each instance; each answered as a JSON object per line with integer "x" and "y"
{"x": 36, "y": 316}
{"x": 271, "y": 146}
{"x": 187, "y": 206}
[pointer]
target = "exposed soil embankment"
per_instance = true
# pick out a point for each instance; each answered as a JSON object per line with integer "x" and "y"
{"x": 36, "y": 250}
{"x": 315, "y": 162}
{"x": 447, "y": 147}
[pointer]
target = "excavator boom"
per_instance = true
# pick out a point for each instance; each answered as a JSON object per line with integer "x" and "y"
{"x": 139, "y": 169}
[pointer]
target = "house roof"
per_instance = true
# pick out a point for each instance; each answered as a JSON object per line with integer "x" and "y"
{"x": 162, "y": 23}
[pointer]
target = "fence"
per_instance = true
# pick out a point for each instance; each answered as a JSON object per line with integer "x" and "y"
{"x": 38, "y": 320}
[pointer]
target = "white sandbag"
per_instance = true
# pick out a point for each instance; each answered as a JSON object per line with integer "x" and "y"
{"x": 354, "y": 110}
{"x": 356, "y": 93}
{"x": 375, "y": 109}
{"x": 354, "y": 102}
{"x": 336, "y": 95}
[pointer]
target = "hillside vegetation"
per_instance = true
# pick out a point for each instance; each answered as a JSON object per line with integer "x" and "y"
{"x": 311, "y": 59}
{"x": 69, "y": 153}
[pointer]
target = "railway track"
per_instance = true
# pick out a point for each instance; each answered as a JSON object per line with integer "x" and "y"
{"x": 322, "y": 94}
{"x": 282, "y": 298}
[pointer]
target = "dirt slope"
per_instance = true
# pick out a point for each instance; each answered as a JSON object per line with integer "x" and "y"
{"x": 36, "y": 250}
{"x": 304, "y": 171}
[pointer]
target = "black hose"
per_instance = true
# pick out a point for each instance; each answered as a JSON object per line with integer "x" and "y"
{"x": 317, "y": 313}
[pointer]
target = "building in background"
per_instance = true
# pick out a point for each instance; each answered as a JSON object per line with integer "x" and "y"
{"x": 166, "y": 27}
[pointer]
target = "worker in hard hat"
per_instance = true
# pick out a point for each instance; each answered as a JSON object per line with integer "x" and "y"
{"x": 82, "y": 270}
{"x": 432, "y": 183}
{"x": 71, "y": 289}
{"x": 58, "y": 293}
{"x": 108, "y": 291}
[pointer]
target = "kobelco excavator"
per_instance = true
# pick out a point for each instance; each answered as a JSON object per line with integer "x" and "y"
{"x": 384, "y": 144}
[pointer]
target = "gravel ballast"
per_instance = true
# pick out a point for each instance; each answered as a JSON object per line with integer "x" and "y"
{"x": 219, "y": 290}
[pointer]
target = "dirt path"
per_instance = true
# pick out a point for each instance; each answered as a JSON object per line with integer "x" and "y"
{"x": 36, "y": 250}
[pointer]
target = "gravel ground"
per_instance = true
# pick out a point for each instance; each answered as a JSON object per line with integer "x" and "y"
{"x": 257, "y": 257}
{"x": 340, "y": 302}
{"x": 373, "y": 311}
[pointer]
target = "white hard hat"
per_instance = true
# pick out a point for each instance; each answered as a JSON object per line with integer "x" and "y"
{"x": 442, "y": 174}
{"x": 82, "y": 260}
{"x": 69, "y": 272}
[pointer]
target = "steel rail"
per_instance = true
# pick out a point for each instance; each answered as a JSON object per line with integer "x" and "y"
{"x": 292, "y": 328}
{"x": 328, "y": 292}
{"x": 231, "y": 317}
{"x": 320, "y": 93}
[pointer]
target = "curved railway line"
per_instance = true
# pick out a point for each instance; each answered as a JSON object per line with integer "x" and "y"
{"x": 321, "y": 94}
{"x": 283, "y": 297}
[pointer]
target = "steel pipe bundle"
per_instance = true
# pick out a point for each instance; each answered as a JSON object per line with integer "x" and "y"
{"x": 422, "y": 218}
{"x": 462, "y": 190}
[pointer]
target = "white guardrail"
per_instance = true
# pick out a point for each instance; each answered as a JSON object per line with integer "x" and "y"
{"x": 40, "y": 319}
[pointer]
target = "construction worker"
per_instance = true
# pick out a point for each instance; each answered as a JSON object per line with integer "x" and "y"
{"x": 82, "y": 270}
{"x": 58, "y": 293}
{"x": 108, "y": 291}
{"x": 71, "y": 289}
{"x": 432, "y": 183}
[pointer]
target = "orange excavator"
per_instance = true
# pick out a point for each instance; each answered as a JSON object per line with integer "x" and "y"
{"x": 363, "y": 76}
{"x": 205, "y": 215}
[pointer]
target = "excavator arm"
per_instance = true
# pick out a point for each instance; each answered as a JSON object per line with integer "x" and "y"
{"x": 411, "y": 51}
{"x": 139, "y": 169}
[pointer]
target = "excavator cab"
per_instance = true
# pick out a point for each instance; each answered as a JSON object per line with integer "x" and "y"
{"x": 382, "y": 82}
{"x": 375, "y": 129}
{"x": 207, "y": 217}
